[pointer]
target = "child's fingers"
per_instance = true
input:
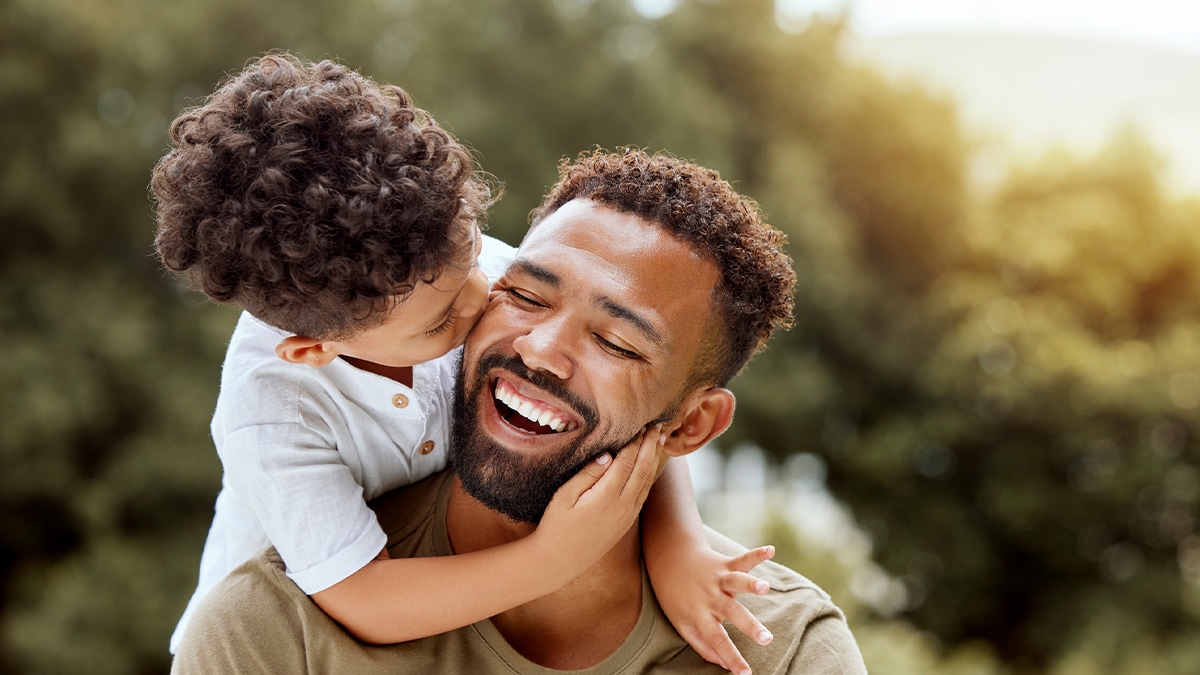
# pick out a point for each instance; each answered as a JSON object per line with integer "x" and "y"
{"x": 727, "y": 652}
{"x": 743, "y": 620}
{"x": 623, "y": 464}
{"x": 645, "y": 465}
{"x": 633, "y": 470}
{"x": 697, "y": 643}
{"x": 733, "y": 583}
{"x": 583, "y": 481}
{"x": 627, "y": 481}
{"x": 610, "y": 486}
{"x": 750, "y": 559}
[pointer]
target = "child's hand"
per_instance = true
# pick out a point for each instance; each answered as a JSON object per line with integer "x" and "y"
{"x": 698, "y": 594}
{"x": 598, "y": 506}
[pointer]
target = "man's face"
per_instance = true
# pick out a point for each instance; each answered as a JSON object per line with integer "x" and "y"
{"x": 587, "y": 339}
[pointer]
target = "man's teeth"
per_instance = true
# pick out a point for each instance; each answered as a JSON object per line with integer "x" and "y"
{"x": 527, "y": 410}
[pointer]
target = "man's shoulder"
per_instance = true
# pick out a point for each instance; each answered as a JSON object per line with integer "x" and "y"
{"x": 257, "y": 610}
{"x": 810, "y": 631}
{"x": 414, "y": 517}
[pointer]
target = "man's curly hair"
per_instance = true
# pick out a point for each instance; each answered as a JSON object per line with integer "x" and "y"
{"x": 754, "y": 294}
{"x": 312, "y": 197}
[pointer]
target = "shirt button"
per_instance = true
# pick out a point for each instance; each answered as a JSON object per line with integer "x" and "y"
{"x": 426, "y": 447}
{"x": 400, "y": 401}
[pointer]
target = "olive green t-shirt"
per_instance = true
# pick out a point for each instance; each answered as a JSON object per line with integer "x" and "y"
{"x": 258, "y": 621}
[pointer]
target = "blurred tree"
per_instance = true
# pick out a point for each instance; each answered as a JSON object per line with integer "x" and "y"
{"x": 106, "y": 465}
{"x": 1027, "y": 459}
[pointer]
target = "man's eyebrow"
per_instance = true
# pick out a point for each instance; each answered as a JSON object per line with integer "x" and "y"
{"x": 610, "y": 306}
{"x": 623, "y": 313}
{"x": 536, "y": 271}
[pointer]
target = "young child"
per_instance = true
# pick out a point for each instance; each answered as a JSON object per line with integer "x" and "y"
{"x": 344, "y": 221}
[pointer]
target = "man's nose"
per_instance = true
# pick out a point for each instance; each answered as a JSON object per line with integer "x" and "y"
{"x": 545, "y": 346}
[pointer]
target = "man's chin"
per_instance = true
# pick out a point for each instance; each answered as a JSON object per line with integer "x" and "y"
{"x": 516, "y": 482}
{"x": 518, "y": 487}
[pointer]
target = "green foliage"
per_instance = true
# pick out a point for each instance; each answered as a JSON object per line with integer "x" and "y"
{"x": 1026, "y": 426}
{"x": 1003, "y": 383}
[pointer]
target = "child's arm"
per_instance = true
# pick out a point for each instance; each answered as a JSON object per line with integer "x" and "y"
{"x": 405, "y": 599}
{"x": 694, "y": 584}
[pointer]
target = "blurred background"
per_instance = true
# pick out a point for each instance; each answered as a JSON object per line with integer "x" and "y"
{"x": 980, "y": 437}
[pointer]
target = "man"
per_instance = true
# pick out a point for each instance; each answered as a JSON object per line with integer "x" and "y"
{"x": 643, "y": 286}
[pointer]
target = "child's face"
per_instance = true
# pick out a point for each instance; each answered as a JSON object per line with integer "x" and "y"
{"x": 434, "y": 319}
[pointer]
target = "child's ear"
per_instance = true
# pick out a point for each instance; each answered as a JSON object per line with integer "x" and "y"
{"x": 307, "y": 351}
{"x": 705, "y": 414}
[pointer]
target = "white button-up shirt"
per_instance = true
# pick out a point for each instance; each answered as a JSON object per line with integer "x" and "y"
{"x": 304, "y": 449}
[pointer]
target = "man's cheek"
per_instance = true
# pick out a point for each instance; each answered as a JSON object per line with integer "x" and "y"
{"x": 500, "y": 320}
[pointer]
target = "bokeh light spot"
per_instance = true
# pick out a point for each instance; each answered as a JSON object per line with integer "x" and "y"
{"x": 1168, "y": 438}
{"x": 115, "y": 105}
{"x": 1122, "y": 561}
{"x": 998, "y": 358}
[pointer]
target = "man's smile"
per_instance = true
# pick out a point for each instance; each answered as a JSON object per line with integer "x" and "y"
{"x": 528, "y": 414}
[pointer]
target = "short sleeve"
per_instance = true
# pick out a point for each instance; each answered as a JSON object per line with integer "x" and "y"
{"x": 308, "y": 501}
{"x": 828, "y": 648}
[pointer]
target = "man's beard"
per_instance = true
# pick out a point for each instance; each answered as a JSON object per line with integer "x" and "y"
{"x": 517, "y": 486}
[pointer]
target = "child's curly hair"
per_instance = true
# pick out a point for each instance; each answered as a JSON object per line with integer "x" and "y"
{"x": 312, "y": 197}
{"x": 755, "y": 293}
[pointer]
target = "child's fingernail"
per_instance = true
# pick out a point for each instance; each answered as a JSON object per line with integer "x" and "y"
{"x": 764, "y": 637}
{"x": 604, "y": 459}
{"x": 761, "y": 587}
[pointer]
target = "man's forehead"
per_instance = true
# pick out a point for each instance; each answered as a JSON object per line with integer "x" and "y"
{"x": 627, "y": 244}
{"x": 596, "y": 227}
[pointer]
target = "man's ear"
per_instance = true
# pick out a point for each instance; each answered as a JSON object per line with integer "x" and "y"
{"x": 307, "y": 351}
{"x": 705, "y": 414}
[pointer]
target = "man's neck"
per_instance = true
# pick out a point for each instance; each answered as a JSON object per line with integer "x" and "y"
{"x": 579, "y": 625}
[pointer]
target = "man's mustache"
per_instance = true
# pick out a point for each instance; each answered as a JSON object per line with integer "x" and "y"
{"x": 540, "y": 379}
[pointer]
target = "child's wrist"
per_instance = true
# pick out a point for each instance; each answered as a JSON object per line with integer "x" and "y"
{"x": 678, "y": 544}
{"x": 552, "y": 559}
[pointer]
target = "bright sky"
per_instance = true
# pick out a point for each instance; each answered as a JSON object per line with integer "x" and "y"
{"x": 1086, "y": 114}
{"x": 1173, "y": 24}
